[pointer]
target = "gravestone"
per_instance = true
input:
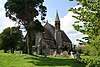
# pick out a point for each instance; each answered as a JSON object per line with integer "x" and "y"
{"x": 71, "y": 55}
{"x": 64, "y": 54}
{"x": 78, "y": 56}
{"x": 19, "y": 52}
{"x": 54, "y": 54}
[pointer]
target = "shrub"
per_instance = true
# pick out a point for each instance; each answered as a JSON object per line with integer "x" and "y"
{"x": 91, "y": 62}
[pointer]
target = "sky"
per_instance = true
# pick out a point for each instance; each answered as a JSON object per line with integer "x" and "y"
{"x": 62, "y": 6}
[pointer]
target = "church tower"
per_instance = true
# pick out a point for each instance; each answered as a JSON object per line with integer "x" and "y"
{"x": 57, "y": 22}
{"x": 58, "y": 37}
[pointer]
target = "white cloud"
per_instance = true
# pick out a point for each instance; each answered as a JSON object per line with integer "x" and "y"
{"x": 67, "y": 22}
{"x": 66, "y": 25}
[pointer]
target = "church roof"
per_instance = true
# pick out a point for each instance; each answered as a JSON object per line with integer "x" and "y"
{"x": 65, "y": 37}
{"x": 50, "y": 28}
{"x": 51, "y": 44}
{"x": 48, "y": 24}
{"x": 48, "y": 35}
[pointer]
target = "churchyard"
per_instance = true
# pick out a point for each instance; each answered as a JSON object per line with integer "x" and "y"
{"x": 23, "y": 60}
{"x": 51, "y": 45}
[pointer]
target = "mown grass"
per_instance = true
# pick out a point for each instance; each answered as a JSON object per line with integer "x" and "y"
{"x": 15, "y": 60}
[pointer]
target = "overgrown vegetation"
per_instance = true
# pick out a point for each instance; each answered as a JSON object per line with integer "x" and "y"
{"x": 88, "y": 23}
{"x": 91, "y": 61}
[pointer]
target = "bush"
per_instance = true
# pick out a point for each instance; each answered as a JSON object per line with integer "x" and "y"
{"x": 91, "y": 62}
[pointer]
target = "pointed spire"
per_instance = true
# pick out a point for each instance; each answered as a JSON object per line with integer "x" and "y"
{"x": 57, "y": 21}
{"x": 57, "y": 16}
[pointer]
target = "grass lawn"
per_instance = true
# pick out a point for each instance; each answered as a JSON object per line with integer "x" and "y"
{"x": 15, "y": 60}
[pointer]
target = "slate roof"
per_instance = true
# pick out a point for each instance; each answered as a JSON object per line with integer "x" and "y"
{"x": 51, "y": 26}
{"x": 49, "y": 35}
{"x": 51, "y": 44}
{"x": 49, "y": 30}
{"x": 65, "y": 37}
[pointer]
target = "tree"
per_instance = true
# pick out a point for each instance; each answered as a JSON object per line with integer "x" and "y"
{"x": 15, "y": 38}
{"x": 88, "y": 22}
{"x": 5, "y": 37}
{"x": 25, "y": 13}
{"x": 10, "y": 38}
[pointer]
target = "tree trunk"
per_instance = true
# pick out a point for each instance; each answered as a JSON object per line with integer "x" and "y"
{"x": 30, "y": 35}
{"x": 24, "y": 49}
{"x": 29, "y": 42}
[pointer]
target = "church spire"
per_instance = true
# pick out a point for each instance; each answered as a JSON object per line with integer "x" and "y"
{"x": 57, "y": 16}
{"x": 57, "y": 21}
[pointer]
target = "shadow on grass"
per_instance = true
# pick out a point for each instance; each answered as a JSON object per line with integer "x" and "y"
{"x": 48, "y": 61}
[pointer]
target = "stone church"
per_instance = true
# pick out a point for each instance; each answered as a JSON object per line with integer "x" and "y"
{"x": 52, "y": 40}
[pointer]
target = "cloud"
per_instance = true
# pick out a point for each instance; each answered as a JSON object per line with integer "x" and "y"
{"x": 66, "y": 25}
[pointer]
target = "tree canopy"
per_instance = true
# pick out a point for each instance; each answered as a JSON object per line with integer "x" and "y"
{"x": 25, "y": 13}
{"x": 10, "y": 38}
{"x": 88, "y": 22}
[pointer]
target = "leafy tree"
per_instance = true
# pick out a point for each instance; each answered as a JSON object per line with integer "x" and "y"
{"x": 10, "y": 38}
{"x": 88, "y": 22}
{"x": 15, "y": 38}
{"x": 5, "y": 37}
{"x": 25, "y": 13}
